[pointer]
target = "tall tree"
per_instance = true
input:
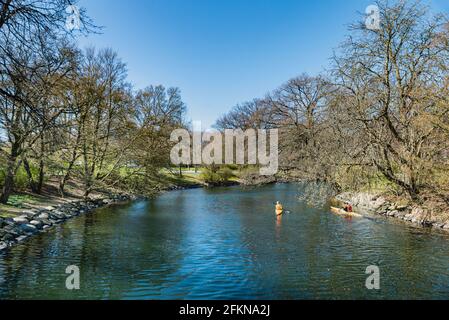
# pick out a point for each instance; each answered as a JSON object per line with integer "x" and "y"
{"x": 391, "y": 80}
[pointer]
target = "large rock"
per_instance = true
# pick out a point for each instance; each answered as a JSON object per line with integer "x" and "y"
{"x": 21, "y": 220}
{"x": 43, "y": 216}
{"x": 9, "y": 222}
{"x": 28, "y": 228}
{"x": 14, "y": 229}
{"x": 56, "y": 215}
{"x": 21, "y": 238}
{"x": 37, "y": 224}
{"x": 47, "y": 222}
{"x": 29, "y": 214}
{"x": 9, "y": 237}
{"x": 393, "y": 213}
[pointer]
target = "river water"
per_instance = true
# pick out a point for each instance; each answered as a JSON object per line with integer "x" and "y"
{"x": 226, "y": 243}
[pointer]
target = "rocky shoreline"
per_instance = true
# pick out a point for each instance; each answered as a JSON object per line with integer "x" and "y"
{"x": 375, "y": 204}
{"x": 18, "y": 229}
{"x": 32, "y": 222}
{"x": 257, "y": 180}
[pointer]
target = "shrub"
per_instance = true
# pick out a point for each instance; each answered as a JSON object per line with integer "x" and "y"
{"x": 216, "y": 177}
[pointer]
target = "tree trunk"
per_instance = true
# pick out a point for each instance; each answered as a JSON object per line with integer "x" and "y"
{"x": 40, "y": 182}
{"x": 9, "y": 177}
{"x": 413, "y": 191}
{"x": 65, "y": 179}
{"x": 31, "y": 182}
{"x": 71, "y": 164}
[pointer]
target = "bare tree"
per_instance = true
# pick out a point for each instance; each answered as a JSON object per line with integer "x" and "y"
{"x": 392, "y": 80}
{"x": 33, "y": 61}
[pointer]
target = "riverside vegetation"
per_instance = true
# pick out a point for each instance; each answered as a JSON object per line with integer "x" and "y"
{"x": 73, "y": 127}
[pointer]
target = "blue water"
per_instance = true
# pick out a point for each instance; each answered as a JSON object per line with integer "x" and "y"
{"x": 226, "y": 243}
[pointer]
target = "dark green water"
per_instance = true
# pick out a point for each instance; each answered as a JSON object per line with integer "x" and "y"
{"x": 227, "y": 244}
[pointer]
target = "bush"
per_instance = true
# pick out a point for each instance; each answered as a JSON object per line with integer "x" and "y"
{"x": 225, "y": 174}
{"x": 21, "y": 180}
{"x": 232, "y": 167}
{"x": 216, "y": 177}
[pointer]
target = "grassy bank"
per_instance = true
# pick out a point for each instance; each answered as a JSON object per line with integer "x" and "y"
{"x": 24, "y": 200}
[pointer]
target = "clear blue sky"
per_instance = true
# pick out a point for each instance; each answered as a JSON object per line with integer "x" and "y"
{"x": 222, "y": 52}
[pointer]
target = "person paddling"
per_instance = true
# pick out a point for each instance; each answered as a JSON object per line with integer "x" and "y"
{"x": 279, "y": 208}
{"x": 348, "y": 207}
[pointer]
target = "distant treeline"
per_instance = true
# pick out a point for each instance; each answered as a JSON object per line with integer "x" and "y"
{"x": 378, "y": 119}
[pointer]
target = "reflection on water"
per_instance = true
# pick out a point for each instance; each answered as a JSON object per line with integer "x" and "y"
{"x": 227, "y": 243}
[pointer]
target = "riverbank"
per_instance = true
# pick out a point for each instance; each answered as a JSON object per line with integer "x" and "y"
{"x": 20, "y": 225}
{"x": 427, "y": 216}
{"x": 29, "y": 214}
{"x": 432, "y": 214}
{"x": 35, "y": 214}
{"x": 18, "y": 229}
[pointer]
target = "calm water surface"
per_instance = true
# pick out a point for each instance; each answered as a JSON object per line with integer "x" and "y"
{"x": 227, "y": 244}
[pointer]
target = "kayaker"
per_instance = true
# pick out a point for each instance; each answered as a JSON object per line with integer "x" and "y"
{"x": 348, "y": 207}
{"x": 279, "y": 208}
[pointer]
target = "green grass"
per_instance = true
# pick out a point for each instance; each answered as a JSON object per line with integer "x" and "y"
{"x": 19, "y": 201}
{"x": 186, "y": 180}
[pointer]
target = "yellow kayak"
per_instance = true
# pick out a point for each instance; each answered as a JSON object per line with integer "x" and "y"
{"x": 344, "y": 213}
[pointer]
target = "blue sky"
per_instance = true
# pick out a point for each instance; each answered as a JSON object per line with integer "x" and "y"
{"x": 222, "y": 52}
